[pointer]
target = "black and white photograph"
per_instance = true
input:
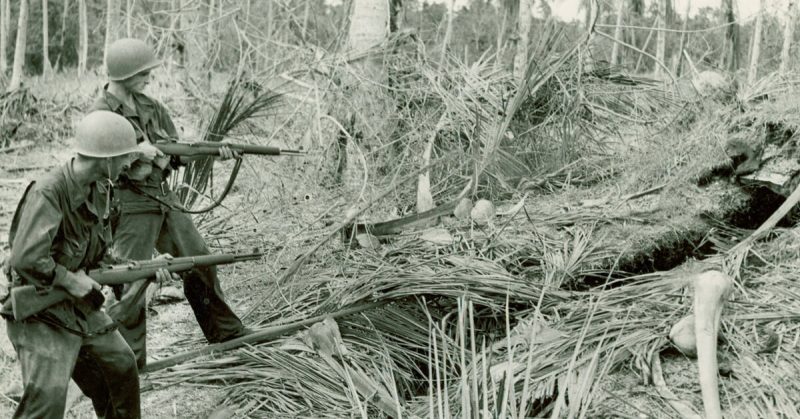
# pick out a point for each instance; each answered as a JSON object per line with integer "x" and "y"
{"x": 422, "y": 209}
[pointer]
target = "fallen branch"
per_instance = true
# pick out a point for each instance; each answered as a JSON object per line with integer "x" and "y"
{"x": 261, "y": 336}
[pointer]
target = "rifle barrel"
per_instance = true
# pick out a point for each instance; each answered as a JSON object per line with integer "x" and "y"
{"x": 206, "y": 148}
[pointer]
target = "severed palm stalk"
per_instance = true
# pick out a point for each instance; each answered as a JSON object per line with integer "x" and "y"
{"x": 238, "y": 105}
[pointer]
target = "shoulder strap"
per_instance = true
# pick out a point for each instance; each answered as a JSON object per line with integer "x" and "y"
{"x": 12, "y": 232}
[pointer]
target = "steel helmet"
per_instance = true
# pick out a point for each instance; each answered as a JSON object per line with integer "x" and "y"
{"x": 127, "y": 57}
{"x": 105, "y": 134}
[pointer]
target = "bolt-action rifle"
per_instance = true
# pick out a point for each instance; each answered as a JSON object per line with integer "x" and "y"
{"x": 210, "y": 148}
{"x": 27, "y": 300}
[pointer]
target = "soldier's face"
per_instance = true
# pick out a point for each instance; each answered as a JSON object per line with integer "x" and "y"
{"x": 138, "y": 82}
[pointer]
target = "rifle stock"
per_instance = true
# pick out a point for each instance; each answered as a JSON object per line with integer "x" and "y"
{"x": 27, "y": 300}
{"x": 206, "y": 148}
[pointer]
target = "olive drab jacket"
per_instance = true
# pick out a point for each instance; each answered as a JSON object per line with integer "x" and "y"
{"x": 59, "y": 226}
{"x": 152, "y": 123}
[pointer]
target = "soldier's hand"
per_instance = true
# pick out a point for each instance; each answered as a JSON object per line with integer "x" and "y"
{"x": 164, "y": 274}
{"x": 149, "y": 152}
{"x": 139, "y": 170}
{"x": 78, "y": 284}
{"x": 225, "y": 153}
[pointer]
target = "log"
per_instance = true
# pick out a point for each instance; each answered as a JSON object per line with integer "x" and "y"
{"x": 260, "y": 336}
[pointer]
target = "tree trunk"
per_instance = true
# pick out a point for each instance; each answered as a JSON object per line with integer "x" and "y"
{"x": 194, "y": 54}
{"x": 5, "y": 24}
{"x": 788, "y": 29}
{"x": 211, "y": 36}
{"x": 617, "y": 32}
{"x": 396, "y": 15}
{"x": 83, "y": 37}
{"x": 645, "y": 45}
{"x": 19, "y": 48}
{"x": 592, "y": 11}
{"x": 129, "y": 18}
{"x": 730, "y": 57}
{"x": 661, "y": 39}
{"x": 47, "y": 68}
{"x": 62, "y": 37}
{"x": 684, "y": 37}
{"x": 112, "y": 25}
{"x": 755, "y": 50}
{"x": 524, "y": 32}
{"x": 448, "y": 31}
{"x": 369, "y": 23}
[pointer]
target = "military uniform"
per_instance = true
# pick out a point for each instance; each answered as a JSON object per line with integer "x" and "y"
{"x": 147, "y": 221}
{"x": 58, "y": 228}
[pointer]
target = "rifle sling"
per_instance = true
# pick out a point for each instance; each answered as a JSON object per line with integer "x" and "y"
{"x": 177, "y": 207}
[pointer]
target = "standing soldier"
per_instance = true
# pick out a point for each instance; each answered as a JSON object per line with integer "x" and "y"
{"x": 59, "y": 231}
{"x": 150, "y": 218}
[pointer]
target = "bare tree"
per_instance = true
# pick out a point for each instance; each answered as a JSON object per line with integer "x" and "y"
{"x": 63, "y": 35}
{"x": 112, "y": 25}
{"x": 788, "y": 29}
{"x": 5, "y": 19}
{"x": 83, "y": 37}
{"x": 755, "y": 49}
{"x": 683, "y": 38}
{"x": 730, "y": 55}
{"x": 47, "y": 68}
{"x": 448, "y": 32}
{"x": 129, "y": 18}
{"x": 524, "y": 35}
{"x": 617, "y": 32}
{"x": 211, "y": 35}
{"x": 661, "y": 38}
{"x": 19, "y": 48}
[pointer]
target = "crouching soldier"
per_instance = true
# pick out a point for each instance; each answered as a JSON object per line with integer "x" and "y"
{"x": 60, "y": 230}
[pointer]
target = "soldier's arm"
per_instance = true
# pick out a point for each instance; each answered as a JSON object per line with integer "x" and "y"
{"x": 38, "y": 225}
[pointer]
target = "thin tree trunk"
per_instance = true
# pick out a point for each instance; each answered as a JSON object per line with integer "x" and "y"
{"x": 129, "y": 18}
{"x": 112, "y": 18}
{"x": 524, "y": 31}
{"x": 47, "y": 68}
{"x": 396, "y": 15}
{"x": 270, "y": 19}
{"x": 211, "y": 36}
{"x": 5, "y": 19}
{"x": 644, "y": 47}
{"x": 684, "y": 38}
{"x": 63, "y": 32}
{"x": 617, "y": 32}
{"x": 592, "y": 10}
{"x": 755, "y": 50}
{"x": 731, "y": 52}
{"x": 448, "y": 31}
{"x": 305, "y": 19}
{"x": 661, "y": 37}
{"x": 19, "y": 48}
{"x": 788, "y": 30}
{"x": 83, "y": 37}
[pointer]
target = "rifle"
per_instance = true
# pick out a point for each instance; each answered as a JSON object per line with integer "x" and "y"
{"x": 27, "y": 300}
{"x": 209, "y": 148}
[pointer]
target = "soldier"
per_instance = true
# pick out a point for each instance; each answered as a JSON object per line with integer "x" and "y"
{"x": 59, "y": 230}
{"x": 150, "y": 217}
